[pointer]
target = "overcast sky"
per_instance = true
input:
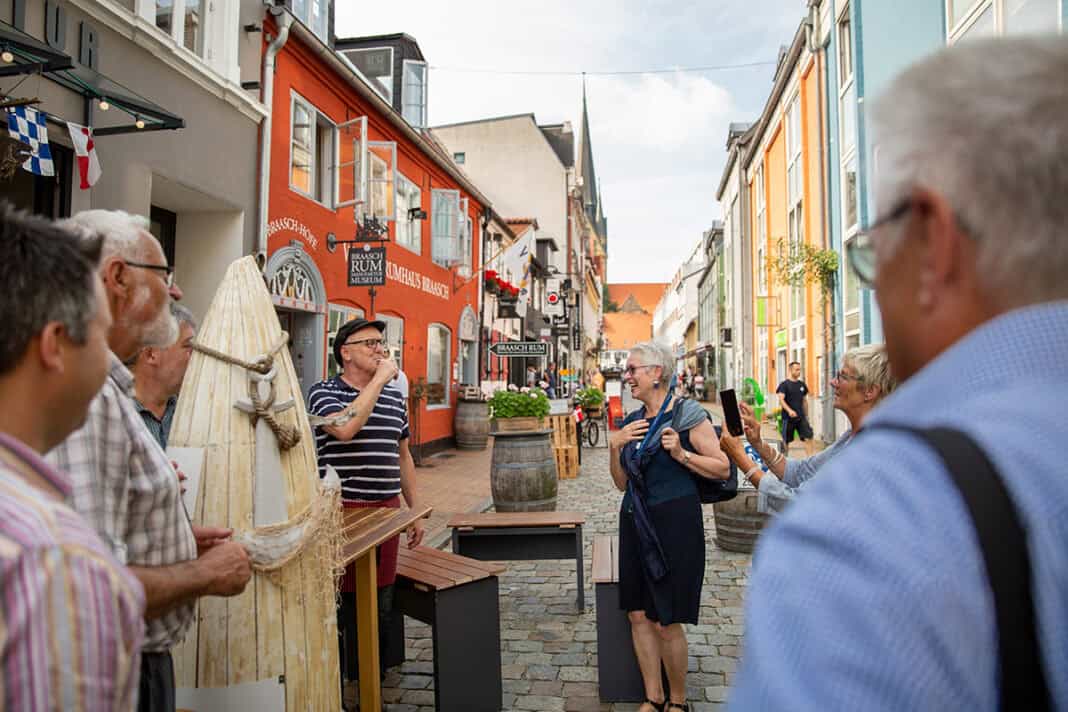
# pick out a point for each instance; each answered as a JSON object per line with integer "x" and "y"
{"x": 658, "y": 139}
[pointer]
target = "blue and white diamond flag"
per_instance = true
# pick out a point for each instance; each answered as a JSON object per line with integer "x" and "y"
{"x": 28, "y": 125}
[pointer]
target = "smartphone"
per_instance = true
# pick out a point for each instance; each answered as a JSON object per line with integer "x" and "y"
{"x": 731, "y": 415}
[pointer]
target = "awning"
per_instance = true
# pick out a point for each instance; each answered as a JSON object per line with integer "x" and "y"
{"x": 700, "y": 349}
{"x": 31, "y": 56}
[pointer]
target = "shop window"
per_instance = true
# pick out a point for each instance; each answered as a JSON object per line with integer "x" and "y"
{"x": 376, "y": 65}
{"x": 409, "y": 230}
{"x": 394, "y": 337}
{"x": 312, "y": 153}
{"x": 445, "y": 226}
{"x": 438, "y": 358}
{"x": 337, "y": 315}
{"x": 413, "y": 93}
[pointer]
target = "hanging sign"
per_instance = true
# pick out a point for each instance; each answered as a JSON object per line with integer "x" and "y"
{"x": 554, "y": 298}
{"x": 519, "y": 349}
{"x": 367, "y": 267}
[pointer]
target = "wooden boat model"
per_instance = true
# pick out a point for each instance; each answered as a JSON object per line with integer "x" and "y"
{"x": 275, "y": 645}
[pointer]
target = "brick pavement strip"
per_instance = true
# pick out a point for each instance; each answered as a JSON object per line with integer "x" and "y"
{"x": 548, "y": 650}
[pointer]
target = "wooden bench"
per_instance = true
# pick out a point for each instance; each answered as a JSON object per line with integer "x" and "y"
{"x": 619, "y": 677}
{"x": 507, "y": 536}
{"x": 457, "y": 597}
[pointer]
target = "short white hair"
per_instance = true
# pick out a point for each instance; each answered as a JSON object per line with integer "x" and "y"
{"x": 872, "y": 366}
{"x": 121, "y": 231}
{"x": 985, "y": 124}
{"x": 654, "y": 353}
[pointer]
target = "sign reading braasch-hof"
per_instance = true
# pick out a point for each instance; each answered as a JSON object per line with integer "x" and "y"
{"x": 367, "y": 267}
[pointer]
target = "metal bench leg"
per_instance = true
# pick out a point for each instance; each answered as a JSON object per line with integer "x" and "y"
{"x": 579, "y": 569}
{"x": 619, "y": 679}
{"x": 467, "y": 648}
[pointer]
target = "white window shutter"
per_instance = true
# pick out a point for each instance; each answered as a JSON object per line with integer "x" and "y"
{"x": 352, "y": 163}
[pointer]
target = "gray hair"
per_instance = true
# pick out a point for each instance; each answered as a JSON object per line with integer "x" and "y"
{"x": 984, "y": 124}
{"x": 872, "y": 366}
{"x": 46, "y": 275}
{"x": 654, "y": 353}
{"x": 121, "y": 231}
{"x": 182, "y": 315}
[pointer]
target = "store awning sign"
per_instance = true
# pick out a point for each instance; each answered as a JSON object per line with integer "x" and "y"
{"x": 519, "y": 349}
{"x": 367, "y": 267}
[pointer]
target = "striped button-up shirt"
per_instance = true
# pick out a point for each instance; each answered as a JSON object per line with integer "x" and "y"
{"x": 71, "y": 616}
{"x": 159, "y": 427}
{"x": 870, "y": 592}
{"x": 125, "y": 486}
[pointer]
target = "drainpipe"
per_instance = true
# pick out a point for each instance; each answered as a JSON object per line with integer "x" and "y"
{"x": 267, "y": 97}
{"x": 829, "y": 334}
{"x": 482, "y": 297}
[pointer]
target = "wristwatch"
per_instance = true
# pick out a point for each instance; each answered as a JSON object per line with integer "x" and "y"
{"x": 685, "y": 457}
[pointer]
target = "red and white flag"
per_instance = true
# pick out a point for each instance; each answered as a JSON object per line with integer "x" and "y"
{"x": 85, "y": 150}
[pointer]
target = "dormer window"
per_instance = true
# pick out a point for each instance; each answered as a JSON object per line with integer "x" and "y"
{"x": 376, "y": 64}
{"x": 413, "y": 93}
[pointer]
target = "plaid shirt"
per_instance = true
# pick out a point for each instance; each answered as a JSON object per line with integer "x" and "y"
{"x": 125, "y": 486}
{"x": 71, "y": 619}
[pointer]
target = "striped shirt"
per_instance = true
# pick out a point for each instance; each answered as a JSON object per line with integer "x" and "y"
{"x": 369, "y": 464}
{"x": 159, "y": 427}
{"x": 71, "y": 616}
{"x": 126, "y": 488}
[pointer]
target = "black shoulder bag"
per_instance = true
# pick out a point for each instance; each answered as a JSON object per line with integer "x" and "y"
{"x": 1003, "y": 541}
{"x": 708, "y": 490}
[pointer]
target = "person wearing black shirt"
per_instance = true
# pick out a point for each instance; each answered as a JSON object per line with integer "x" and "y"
{"x": 795, "y": 419}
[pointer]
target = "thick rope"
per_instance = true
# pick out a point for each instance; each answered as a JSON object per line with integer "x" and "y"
{"x": 287, "y": 435}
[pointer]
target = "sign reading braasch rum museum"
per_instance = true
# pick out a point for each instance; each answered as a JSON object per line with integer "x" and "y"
{"x": 367, "y": 268}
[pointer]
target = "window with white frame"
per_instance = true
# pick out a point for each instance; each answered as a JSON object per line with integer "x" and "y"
{"x": 376, "y": 64}
{"x": 312, "y": 152}
{"x": 184, "y": 20}
{"x": 315, "y": 14}
{"x": 381, "y": 201}
{"x": 762, "y": 359}
{"x": 969, "y": 19}
{"x": 438, "y": 358}
{"x": 409, "y": 230}
{"x": 466, "y": 237}
{"x": 413, "y": 93}
{"x": 337, "y": 315}
{"x": 850, "y": 299}
{"x": 445, "y": 226}
{"x": 795, "y": 200}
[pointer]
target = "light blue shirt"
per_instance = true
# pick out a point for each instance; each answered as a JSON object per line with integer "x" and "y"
{"x": 870, "y": 592}
{"x": 779, "y": 493}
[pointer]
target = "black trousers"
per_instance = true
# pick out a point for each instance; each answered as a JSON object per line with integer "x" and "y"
{"x": 347, "y": 632}
{"x": 157, "y": 683}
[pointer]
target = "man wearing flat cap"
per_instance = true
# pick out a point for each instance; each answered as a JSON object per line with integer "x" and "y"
{"x": 368, "y": 446}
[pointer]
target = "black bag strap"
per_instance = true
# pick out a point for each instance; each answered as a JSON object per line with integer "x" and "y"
{"x": 1003, "y": 540}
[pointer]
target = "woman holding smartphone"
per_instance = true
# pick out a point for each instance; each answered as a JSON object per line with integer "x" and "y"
{"x": 862, "y": 382}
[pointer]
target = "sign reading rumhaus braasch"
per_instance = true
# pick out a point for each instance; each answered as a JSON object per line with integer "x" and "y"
{"x": 367, "y": 268}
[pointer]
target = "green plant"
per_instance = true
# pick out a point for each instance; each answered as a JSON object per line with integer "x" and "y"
{"x": 511, "y": 404}
{"x": 804, "y": 263}
{"x": 589, "y": 397}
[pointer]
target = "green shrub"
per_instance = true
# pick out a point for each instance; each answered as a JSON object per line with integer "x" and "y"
{"x": 511, "y": 404}
{"x": 589, "y": 397}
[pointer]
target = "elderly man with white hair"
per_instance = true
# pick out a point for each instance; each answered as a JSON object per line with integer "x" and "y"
{"x": 927, "y": 567}
{"x": 123, "y": 483}
{"x": 158, "y": 375}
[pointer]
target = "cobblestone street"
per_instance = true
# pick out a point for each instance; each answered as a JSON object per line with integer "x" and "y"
{"x": 549, "y": 652}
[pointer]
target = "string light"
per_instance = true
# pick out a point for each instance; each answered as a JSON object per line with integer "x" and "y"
{"x": 7, "y": 56}
{"x": 139, "y": 123}
{"x": 104, "y": 105}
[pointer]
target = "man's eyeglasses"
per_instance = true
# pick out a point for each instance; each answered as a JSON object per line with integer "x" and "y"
{"x": 369, "y": 343}
{"x": 861, "y": 251}
{"x": 168, "y": 271}
{"x": 631, "y": 370}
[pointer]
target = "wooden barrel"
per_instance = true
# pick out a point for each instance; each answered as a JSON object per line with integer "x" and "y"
{"x": 523, "y": 472}
{"x": 738, "y": 523}
{"x": 472, "y": 425}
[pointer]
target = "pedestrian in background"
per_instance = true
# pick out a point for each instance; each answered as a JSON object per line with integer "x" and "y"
{"x": 71, "y": 615}
{"x": 794, "y": 411}
{"x": 661, "y": 529}
{"x": 158, "y": 374}
{"x": 875, "y": 590}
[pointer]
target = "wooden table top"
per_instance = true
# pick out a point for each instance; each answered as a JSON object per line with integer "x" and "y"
{"x": 605, "y": 559}
{"x": 443, "y": 570}
{"x": 365, "y": 528}
{"x": 488, "y": 520}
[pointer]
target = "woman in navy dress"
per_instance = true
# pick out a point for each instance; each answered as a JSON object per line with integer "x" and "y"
{"x": 658, "y": 603}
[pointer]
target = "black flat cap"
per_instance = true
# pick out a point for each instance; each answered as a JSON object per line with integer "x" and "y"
{"x": 348, "y": 329}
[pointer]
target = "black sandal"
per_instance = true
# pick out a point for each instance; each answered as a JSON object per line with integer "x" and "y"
{"x": 658, "y": 706}
{"x": 684, "y": 706}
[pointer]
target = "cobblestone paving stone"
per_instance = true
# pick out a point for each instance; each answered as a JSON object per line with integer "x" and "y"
{"x": 549, "y": 651}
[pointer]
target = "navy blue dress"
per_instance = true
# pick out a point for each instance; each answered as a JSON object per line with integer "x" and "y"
{"x": 676, "y": 513}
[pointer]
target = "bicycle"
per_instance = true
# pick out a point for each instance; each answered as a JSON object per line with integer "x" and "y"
{"x": 591, "y": 431}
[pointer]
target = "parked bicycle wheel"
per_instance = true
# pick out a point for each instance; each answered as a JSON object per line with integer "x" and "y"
{"x": 592, "y": 430}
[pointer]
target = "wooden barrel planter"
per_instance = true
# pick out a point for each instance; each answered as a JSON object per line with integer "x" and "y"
{"x": 523, "y": 471}
{"x": 738, "y": 523}
{"x": 472, "y": 425}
